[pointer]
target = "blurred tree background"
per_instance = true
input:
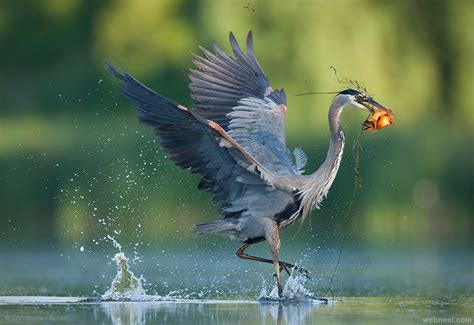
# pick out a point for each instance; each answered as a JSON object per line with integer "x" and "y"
{"x": 76, "y": 166}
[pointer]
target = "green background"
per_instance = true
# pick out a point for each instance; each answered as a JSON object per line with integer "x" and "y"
{"x": 76, "y": 166}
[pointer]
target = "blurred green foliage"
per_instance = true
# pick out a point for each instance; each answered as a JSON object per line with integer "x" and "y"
{"x": 77, "y": 166}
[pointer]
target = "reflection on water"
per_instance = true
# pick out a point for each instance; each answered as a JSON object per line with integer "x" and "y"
{"x": 140, "y": 313}
{"x": 122, "y": 313}
{"x": 287, "y": 314}
{"x": 352, "y": 310}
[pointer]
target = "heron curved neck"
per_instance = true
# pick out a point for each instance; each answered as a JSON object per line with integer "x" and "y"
{"x": 326, "y": 173}
{"x": 335, "y": 129}
{"x": 317, "y": 185}
{"x": 336, "y": 141}
{"x": 323, "y": 177}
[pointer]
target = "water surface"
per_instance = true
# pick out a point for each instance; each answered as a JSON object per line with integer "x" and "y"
{"x": 352, "y": 310}
{"x": 208, "y": 285}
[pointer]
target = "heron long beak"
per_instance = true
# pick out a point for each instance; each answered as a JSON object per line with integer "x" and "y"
{"x": 380, "y": 117}
{"x": 371, "y": 104}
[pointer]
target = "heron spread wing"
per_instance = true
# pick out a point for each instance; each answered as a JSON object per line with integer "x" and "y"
{"x": 235, "y": 93}
{"x": 222, "y": 81}
{"x": 197, "y": 144}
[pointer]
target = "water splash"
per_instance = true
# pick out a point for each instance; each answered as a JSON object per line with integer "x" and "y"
{"x": 125, "y": 286}
{"x": 294, "y": 291}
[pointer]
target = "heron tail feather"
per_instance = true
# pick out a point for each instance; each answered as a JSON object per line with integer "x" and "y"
{"x": 220, "y": 227}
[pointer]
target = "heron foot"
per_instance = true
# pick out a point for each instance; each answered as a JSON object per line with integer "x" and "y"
{"x": 323, "y": 300}
{"x": 287, "y": 266}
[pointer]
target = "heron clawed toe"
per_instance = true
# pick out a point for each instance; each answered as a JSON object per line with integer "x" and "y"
{"x": 284, "y": 266}
{"x": 302, "y": 271}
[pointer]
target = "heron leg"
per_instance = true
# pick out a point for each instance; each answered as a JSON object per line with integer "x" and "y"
{"x": 273, "y": 239}
{"x": 241, "y": 253}
{"x": 284, "y": 266}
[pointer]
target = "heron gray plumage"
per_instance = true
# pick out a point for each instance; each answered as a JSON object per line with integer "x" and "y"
{"x": 234, "y": 137}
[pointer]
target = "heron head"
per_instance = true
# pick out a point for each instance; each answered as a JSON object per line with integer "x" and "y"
{"x": 379, "y": 117}
{"x": 355, "y": 98}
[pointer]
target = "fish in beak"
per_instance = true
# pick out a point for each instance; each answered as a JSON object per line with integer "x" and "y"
{"x": 380, "y": 117}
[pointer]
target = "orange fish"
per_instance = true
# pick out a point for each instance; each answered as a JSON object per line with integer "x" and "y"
{"x": 379, "y": 119}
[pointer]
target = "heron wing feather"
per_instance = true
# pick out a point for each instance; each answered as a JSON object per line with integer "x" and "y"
{"x": 199, "y": 145}
{"x": 236, "y": 93}
{"x": 222, "y": 81}
{"x": 255, "y": 125}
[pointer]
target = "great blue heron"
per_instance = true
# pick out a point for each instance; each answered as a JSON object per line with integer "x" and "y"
{"x": 234, "y": 136}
